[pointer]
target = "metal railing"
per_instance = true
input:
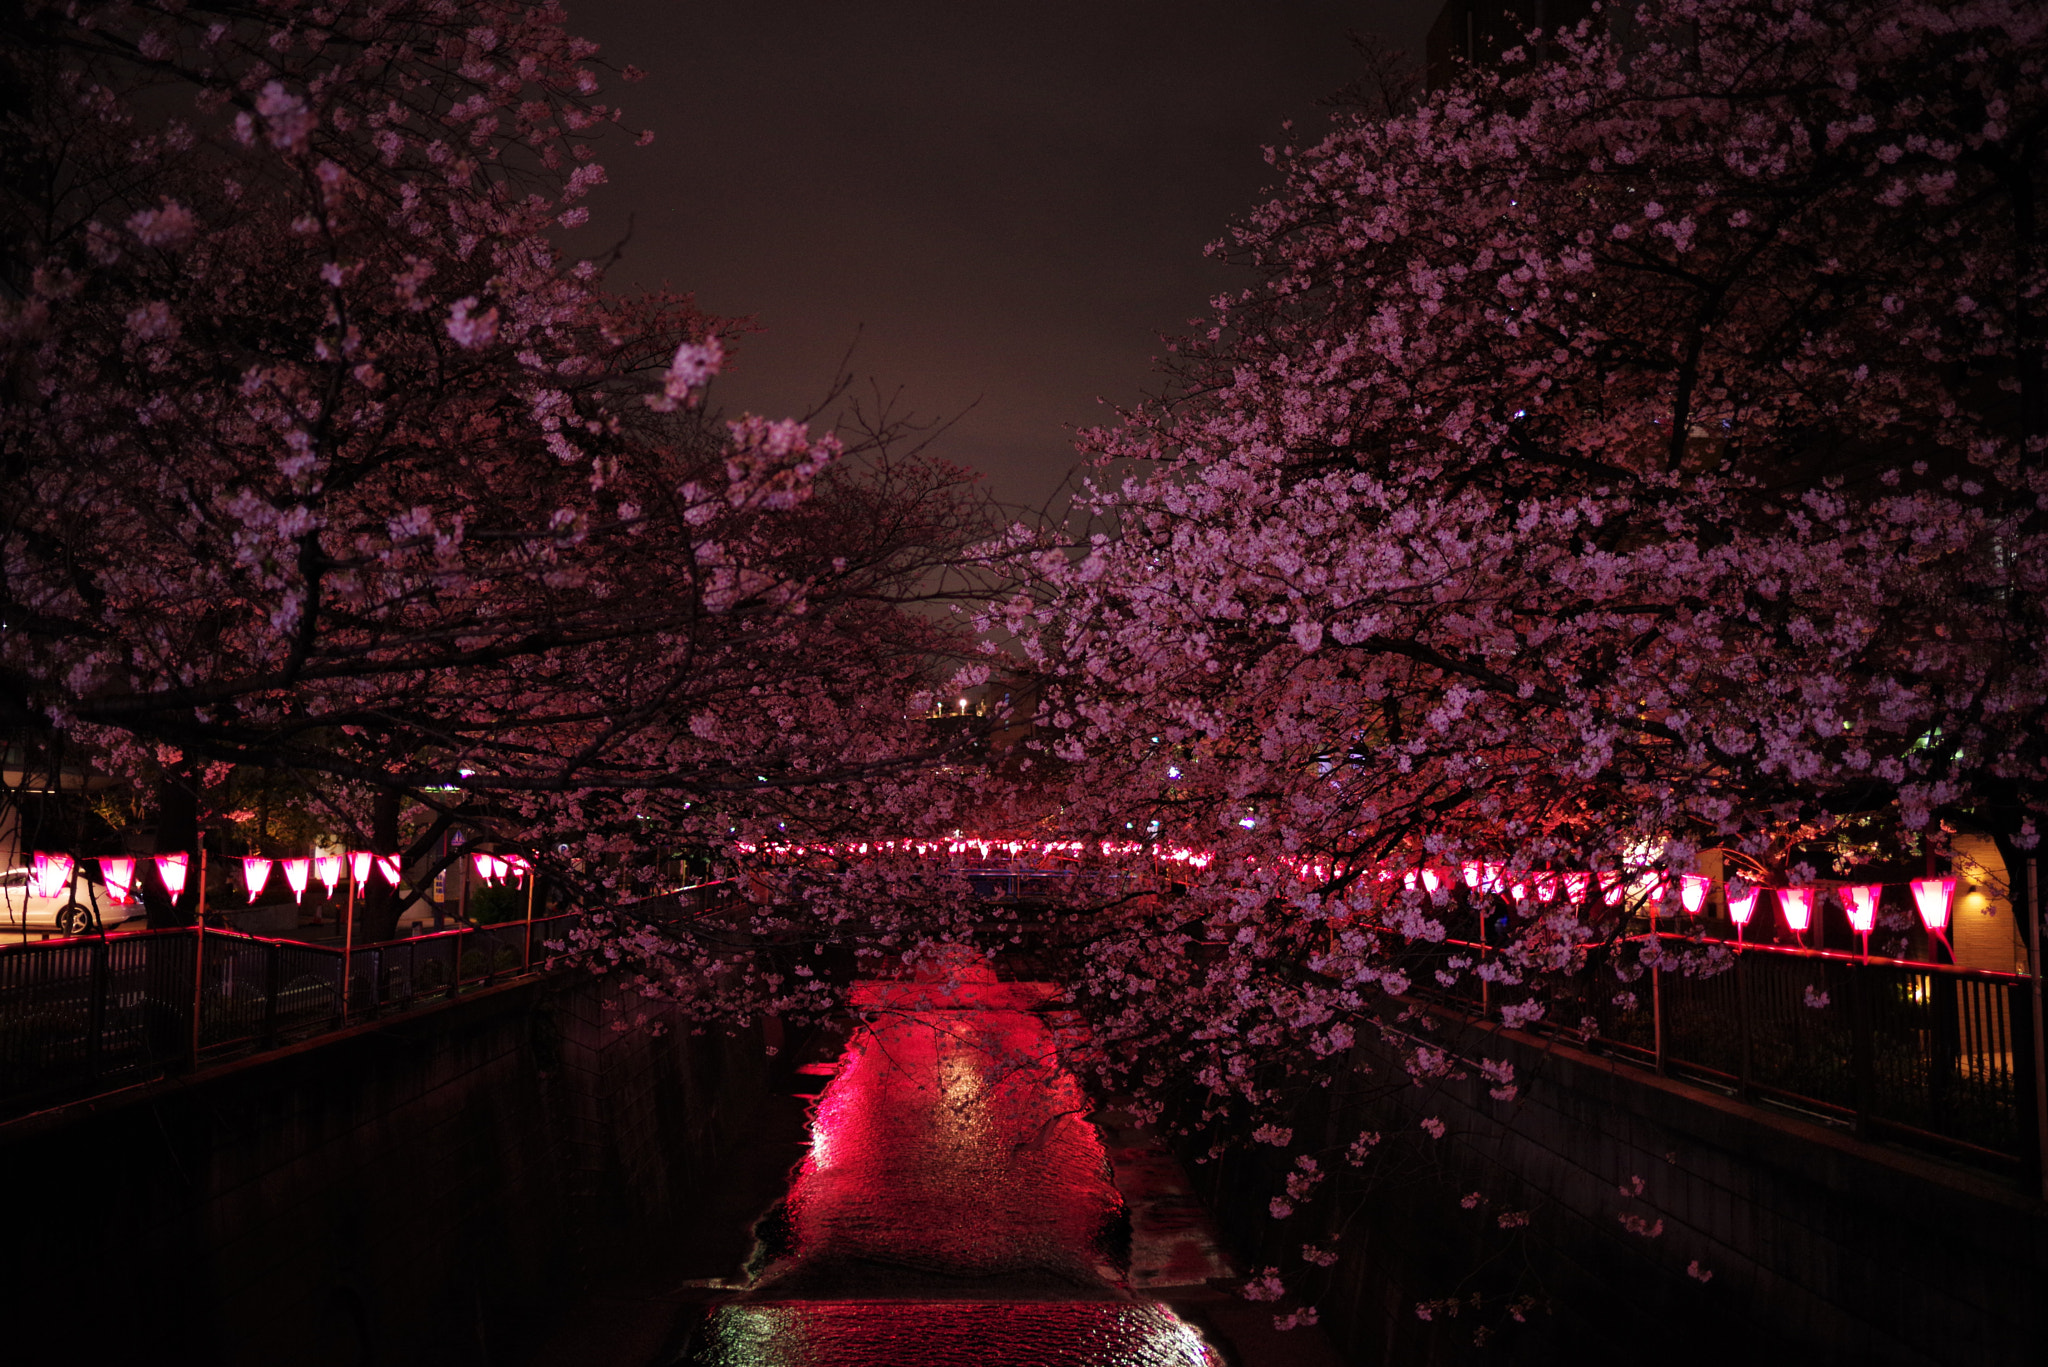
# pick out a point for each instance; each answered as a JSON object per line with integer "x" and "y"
{"x": 1930, "y": 1055}
{"x": 92, "y": 1014}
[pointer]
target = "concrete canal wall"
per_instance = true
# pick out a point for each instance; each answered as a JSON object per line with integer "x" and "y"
{"x": 1756, "y": 1237}
{"x": 427, "y": 1190}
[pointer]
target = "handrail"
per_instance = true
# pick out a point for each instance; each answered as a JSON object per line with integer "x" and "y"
{"x": 85, "y": 1015}
{"x": 1789, "y": 951}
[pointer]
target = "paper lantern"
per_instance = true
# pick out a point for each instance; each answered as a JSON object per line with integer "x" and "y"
{"x": 387, "y": 864}
{"x": 1692, "y": 892}
{"x": 171, "y": 869}
{"x": 1742, "y": 904}
{"x": 359, "y": 862}
{"x": 1860, "y": 901}
{"x": 520, "y": 868}
{"x": 1471, "y": 870}
{"x": 1577, "y": 885}
{"x": 298, "y": 872}
{"x": 1612, "y": 889}
{"x": 255, "y": 873}
{"x": 1931, "y": 896}
{"x": 327, "y": 868}
{"x": 119, "y": 874}
{"x": 1546, "y": 887}
{"x": 1651, "y": 888}
{"x": 1797, "y": 904}
{"x": 50, "y": 875}
{"x": 1431, "y": 880}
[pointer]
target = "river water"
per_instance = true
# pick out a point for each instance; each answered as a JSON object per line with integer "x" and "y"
{"x": 956, "y": 1206}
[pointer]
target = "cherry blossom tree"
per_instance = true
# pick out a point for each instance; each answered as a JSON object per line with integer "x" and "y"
{"x": 326, "y": 449}
{"x": 1612, "y": 458}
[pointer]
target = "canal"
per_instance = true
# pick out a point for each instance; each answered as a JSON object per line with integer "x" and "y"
{"x": 961, "y": 1199}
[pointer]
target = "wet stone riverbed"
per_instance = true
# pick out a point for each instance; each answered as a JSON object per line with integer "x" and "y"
{"x": 956, "y": 1206}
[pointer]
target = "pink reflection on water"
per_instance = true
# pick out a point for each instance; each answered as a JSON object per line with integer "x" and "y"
{"x": 953, "y": 1142}
{"x": 952, "y": 1334}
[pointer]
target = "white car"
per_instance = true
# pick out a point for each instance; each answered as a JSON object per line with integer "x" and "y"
{"x": 22, "y": 909}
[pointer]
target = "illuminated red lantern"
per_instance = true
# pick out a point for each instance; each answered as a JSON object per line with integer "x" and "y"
{"x": 1692, "y": 892}
{"x": 486, "y": 867}
{"x": 359, "y": 862}
{"x": 1860, "y": 901}
{"x": 1577, "y": 885}
{"x": 171, "y": 869}
{"x": 1797, "y": 904}
{"x": 1742, "y": 904}
{"x": 1612, "y": 889}
{"x": 387, "y": 864}
{"x": 51, "y": 873}
{"x": 298, "y": 872}
{"x": 1546, "y": 887}
{"x": 255, "y": 873}
{"x": 327, "y": 868}
{"x": 1931, "y": 896}
{"x": 119, "y": 874}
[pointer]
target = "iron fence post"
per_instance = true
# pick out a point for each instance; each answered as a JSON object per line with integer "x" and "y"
{"x": 1657, "y": 1004}
{"x": 1861, "y": 1049}
{"x": 273, "y": 972}
{"x": 96, "y": 1012}
{"x": 2037, "y": 1076}
{"x": 1746, "y": 1072}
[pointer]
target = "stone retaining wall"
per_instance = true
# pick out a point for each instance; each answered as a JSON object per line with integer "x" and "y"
{"x": 1757, "y": 1236}
{"x": 421, "y": 1191}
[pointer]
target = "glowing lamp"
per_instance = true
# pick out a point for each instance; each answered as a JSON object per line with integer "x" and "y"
{"x": 1431, "y": 880}
{"x": 255, "y": 873}
{"x": 359, "y": 862}
{"x": 1612, "y": 889}
{"x": 1742, "y": 905}
{"x": 171, "y": 869}
{"x": 486, "y": 867}
{"x": 1576, "y": 885}
{"x": 1860, "y": 901}
{"x": 1931, "y": 896}
{"x": 119, "y": 874}
{"x": 1651, "y": 886}
{"x": 327, "y": 868}
{"x": 51, "y": 873}
{"x": 298, "y": 872}
{"x": 1797, "y": 904}
{"x": 387, "y": 864}
{"x": 1546, "y": 887}
{"x": 1692, "y": 892}
{"x": 1471, "y": 870}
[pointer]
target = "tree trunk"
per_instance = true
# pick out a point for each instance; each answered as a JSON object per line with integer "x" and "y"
{"x": 177, "y": 829}
{"x": 377, "y": 910}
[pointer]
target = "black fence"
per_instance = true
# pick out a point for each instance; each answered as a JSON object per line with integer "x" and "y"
{"x": 86, "y": 1015}
{"x": 1936, "y": 1057}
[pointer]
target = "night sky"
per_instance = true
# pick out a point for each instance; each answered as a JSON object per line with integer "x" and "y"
{"x": 1005, "y": 204}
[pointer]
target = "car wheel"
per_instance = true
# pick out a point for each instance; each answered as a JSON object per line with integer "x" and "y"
{"x": 74, "y": 920}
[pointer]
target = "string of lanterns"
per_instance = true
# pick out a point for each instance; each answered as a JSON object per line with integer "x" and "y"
{"x": 50, "y": 874}
{"x": 1652, "y": 890}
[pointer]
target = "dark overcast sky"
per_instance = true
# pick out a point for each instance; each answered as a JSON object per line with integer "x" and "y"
{"x": 1006, "y": 203}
